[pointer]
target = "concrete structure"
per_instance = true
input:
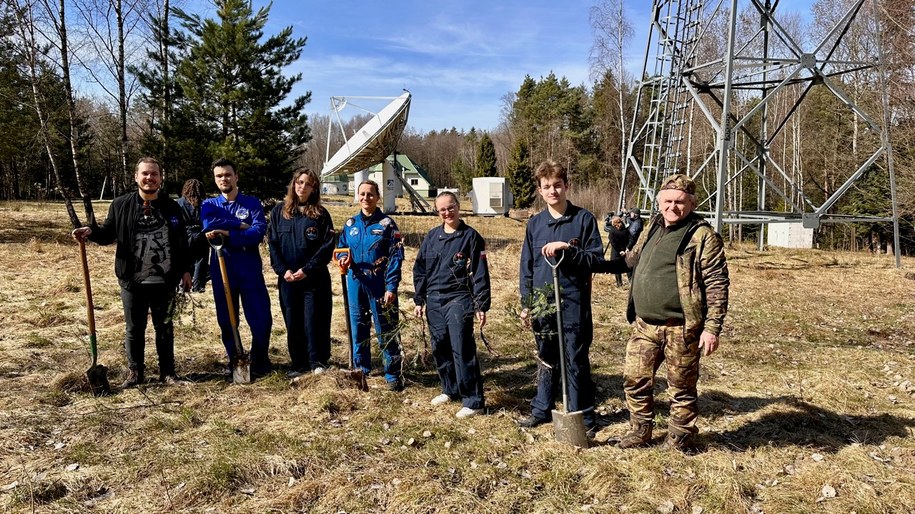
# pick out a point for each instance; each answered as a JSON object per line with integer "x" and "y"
{"x": 790, "y": 235}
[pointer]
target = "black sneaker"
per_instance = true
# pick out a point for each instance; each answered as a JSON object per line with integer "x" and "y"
{"x": 294, "y": 374}
{"x": 532, "y": 421}
{"x": 395, "y": 386}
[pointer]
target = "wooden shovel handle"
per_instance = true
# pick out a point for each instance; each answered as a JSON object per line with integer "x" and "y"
{"x": 90, "y": 309}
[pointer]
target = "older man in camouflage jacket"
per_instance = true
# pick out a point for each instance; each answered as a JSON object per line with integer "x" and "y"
{"x": 677, "y": 304}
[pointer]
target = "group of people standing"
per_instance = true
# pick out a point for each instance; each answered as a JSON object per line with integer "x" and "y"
{"x": 678, "y": 294}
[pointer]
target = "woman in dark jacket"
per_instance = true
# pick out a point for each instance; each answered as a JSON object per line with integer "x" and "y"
{"x": 619, "y": 242}
{"x": 301, "y": 241}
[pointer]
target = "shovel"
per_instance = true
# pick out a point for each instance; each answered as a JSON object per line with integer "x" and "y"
{"x": 568, "y": 427}
{"x": 356, "y": 375}
{"x": 97, "y": 373}
{"x": 241, "y": 363}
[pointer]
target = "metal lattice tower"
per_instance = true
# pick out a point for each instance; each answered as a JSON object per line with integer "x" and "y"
{"x": 765, "y": 71}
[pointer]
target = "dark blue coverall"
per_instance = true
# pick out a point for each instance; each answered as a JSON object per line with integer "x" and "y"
{"x": 578, "y": 228}
{"x": 245, "y": 270}
{"x": 303, "y": 243}
{"x": 451, "y": 278}
{"x": 376, "y": 253}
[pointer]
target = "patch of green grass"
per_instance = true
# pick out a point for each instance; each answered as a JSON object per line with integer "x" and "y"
{"x": 35, "y": 340}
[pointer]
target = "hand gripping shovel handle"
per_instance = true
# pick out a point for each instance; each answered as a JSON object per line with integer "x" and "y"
{"x": 562, "y": 346}
{"x": 568, "y": 427}
{"x": 240, "y": 355}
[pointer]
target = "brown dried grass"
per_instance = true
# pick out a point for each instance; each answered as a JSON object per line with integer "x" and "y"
{"x": 808, "y": 390}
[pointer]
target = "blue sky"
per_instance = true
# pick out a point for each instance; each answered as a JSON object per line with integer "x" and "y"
{"x": 458, "y": 58}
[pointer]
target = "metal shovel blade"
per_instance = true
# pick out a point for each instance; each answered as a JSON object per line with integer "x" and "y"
{"x": 98, "y": 380}
{"x": 569, "y": 428}
{"x": 241, "y": 369}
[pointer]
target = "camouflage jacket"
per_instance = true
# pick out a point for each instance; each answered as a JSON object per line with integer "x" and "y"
{"x": 702, "y": 274}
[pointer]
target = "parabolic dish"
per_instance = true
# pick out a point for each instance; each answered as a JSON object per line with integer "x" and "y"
{"x": 373, "y": 142}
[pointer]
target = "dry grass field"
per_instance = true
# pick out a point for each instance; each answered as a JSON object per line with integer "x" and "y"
{"x": 809, "y": 406}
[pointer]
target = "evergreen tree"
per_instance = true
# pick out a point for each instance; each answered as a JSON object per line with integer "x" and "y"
{"x": 486, "y": 157}
{"x": 519, "y": 176}
{"x": 462, "y": 175}
{"x": 232, "y": 88}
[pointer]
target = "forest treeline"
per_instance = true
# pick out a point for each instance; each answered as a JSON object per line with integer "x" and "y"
{"x": 88, "y": 86}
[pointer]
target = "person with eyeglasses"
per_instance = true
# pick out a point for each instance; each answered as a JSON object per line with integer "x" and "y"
{"x": 151, "y": 257}
{"x": 373, "y": 275}
{"x": 451, "y": 281}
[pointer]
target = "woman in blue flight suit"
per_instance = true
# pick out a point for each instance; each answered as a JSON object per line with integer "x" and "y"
{"x": 374, "y": 262}
{"x": 451, "y": 279}
{"x": 301, "y": 241}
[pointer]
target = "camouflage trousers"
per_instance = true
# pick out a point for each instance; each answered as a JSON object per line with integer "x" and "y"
{"x": 649, "y": 346}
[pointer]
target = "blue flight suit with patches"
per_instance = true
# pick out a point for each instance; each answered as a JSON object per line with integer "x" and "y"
{"x": 451, "y": 278}
{"x": 245, "y": 271}
{"x": 376, "y": 254}
{"x": 578, "y": 227}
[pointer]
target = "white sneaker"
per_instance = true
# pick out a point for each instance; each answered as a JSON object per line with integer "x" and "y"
{"x": 467, "y": 412}
{"x": 318, "y": 370}
{"x": 440, "y": 399}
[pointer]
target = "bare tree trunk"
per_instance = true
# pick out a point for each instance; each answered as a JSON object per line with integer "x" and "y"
{"x": 121, "y": 78}
{"x": 27, "y": 29}
{"x": 167, "y": 94}
{"x": 61, "y": 26}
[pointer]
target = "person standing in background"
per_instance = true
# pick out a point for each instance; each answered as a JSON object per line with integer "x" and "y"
{"x": 192, "y": 197}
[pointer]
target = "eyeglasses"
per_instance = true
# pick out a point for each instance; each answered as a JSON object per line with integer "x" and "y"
{"x": 446, "y": 210}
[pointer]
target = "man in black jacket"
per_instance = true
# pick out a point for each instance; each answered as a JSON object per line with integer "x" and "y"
{"x": 150, "y": 258}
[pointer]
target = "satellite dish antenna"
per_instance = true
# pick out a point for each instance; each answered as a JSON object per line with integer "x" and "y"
{"x": 371, "y": 144}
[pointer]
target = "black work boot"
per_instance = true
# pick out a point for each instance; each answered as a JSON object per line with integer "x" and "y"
{"x": 682, "y": 441}
{"x": 134, "y": 378}
{"x": 638, "y": 435}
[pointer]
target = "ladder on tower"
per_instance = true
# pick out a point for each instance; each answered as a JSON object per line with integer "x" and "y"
{"x": 677, "y": 29}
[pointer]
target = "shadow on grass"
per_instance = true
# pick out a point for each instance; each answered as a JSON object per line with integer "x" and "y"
{"x": 39, "y": 230}
{"x": 805, "y": 424}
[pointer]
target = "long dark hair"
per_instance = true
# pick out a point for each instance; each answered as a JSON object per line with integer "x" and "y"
{"x": 193, "y": 192}
{"x": 312, "y": 205}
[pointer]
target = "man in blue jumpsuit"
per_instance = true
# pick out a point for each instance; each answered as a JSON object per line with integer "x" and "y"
{"x": 239, "y": 220}
{"x": 376, "y": 255}
{"x": 566, "y": 231}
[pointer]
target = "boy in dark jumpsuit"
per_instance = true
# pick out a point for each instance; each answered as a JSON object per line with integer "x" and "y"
{"x": 570, "y": 232}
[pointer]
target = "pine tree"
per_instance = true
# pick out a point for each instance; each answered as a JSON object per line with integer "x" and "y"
{"x": 232, "y": 89}
{"x": 462, "y": 175}
{"x": 486, "y": 157}
{"x": 519, "y": 175}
